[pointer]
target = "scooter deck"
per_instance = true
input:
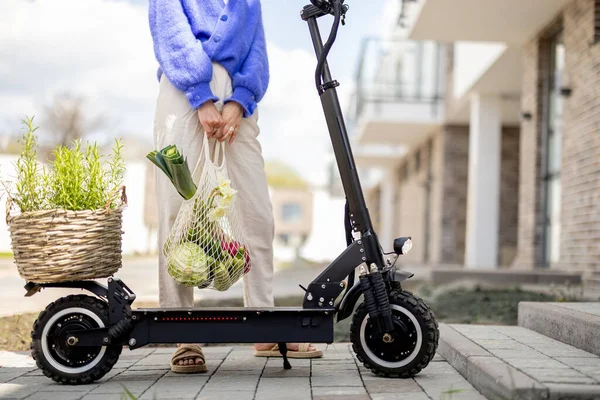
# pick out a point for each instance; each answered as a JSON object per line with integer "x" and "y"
{"x": 231, "y": 325}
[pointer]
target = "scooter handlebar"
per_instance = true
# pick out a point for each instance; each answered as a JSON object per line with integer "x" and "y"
{"x": 322, "y": 4}
{"x": 338, "y": 10}
{"x": 325, "y": 5}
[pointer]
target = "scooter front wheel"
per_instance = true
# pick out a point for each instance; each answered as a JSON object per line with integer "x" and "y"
{"x": 61, "y": 361}
{"x": 408, "y": 349}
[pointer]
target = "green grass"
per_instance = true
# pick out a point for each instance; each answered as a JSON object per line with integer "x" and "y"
{"x": 484, "y": 305}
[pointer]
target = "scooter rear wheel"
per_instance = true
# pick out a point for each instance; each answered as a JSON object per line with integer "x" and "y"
{"x": 411, "y": 346}
{"x": 66, "y": 363}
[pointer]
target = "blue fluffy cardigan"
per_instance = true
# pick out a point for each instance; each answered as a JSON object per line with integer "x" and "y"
{"x": 189, "y": 35}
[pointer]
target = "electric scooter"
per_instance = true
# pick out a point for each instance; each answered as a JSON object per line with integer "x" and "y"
{"x": 78, "y": 339}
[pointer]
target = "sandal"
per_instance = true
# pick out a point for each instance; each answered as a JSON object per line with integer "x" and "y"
{"x": 186, "y": 352}
{"x": 302, "y": 352}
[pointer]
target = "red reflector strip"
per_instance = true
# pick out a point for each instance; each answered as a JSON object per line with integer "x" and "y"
{"x": 199, "y": 318}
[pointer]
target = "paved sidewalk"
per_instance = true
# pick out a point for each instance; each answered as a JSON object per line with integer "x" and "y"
{"x": 234, "y": 373}
{"x": 515, "y": 362}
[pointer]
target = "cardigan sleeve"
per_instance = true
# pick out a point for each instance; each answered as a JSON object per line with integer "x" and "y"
{"x": 251, "y": 81}
{"x": 180, "y": 55}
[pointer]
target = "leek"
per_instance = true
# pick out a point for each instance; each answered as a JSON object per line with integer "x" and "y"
{"x": 170, "y": 161}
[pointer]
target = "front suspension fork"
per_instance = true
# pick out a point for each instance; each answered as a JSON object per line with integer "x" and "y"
{"x": 372, "y": 285}
{"x": 376, "y": 298}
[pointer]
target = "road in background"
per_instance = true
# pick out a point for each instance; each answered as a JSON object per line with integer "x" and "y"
{"x": 141, "y": 275}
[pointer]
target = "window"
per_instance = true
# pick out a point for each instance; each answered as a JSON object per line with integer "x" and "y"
{"x": 553, "y": 152}
{"x": 291, "y": 212}
{"x": 596, "y": 21}
{"x": 405, "y": 172}
{"x": 284, "y": 238}
{"x": 418, "y": 161}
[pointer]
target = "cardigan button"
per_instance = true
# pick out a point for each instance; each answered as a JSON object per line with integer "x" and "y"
{"x": 224, "y": 18}
{"x": 217, "y": 38}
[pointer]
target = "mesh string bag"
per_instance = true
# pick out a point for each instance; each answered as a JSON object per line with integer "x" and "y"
{"x": 206, "y": 246}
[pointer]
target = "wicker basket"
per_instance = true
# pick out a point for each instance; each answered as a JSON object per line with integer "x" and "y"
{"x": 59, "y": 245}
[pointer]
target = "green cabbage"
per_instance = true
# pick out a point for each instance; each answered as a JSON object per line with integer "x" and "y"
{"x": 189, "y": 265}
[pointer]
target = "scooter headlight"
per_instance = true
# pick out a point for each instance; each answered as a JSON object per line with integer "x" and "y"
{"x": 402, "y": 245}
{"x": 407, "y": 246}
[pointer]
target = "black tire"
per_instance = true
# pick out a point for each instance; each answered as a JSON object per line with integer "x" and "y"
{"x": 66, "y": 364}
{"x": 401, "y": 359}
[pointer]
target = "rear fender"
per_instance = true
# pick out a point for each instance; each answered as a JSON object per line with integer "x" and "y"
{"x": 98, "y": 289}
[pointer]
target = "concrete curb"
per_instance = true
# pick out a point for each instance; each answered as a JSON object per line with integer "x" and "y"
{"x": 491, "y": 376}
{"x": 457, "y": 349}
{"x": 563, "y": 391}
{"x": 575, "y": 328}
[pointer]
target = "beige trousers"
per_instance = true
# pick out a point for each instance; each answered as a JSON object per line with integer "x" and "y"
{"x": 177, "y": 123}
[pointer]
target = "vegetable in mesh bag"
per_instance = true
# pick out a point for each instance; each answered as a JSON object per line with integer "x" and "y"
{"x": 235, "y": 249}
{"x": 221, "y": 260}
{"x": 189, "y": 265}
{"x": 174, "y": 165}
{"x": 230, "y": 271}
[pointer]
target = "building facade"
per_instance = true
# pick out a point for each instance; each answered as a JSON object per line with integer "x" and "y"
{"x": 508, "y": 174}
{"x": 292, "y": 210}
{"x": 292, "y": 200}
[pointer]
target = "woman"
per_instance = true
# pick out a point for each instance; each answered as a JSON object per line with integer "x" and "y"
{"x": 213, "y": 72}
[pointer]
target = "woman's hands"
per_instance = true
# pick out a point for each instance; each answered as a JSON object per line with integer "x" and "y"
{"x": 232, "y": 117}
{"x": 210, "y": 118}
{"x": 224, "y": 125}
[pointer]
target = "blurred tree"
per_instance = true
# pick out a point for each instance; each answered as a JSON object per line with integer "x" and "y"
{"x": 282, "y": 175}
{"x": 68, "y": 118}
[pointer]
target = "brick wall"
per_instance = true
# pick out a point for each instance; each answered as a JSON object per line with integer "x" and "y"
{"x": 448, "y": 197}
{"x": 448, "y": 160}
{"x": 437, "y": 198}
{"x": 580, "y": 173}
{"x": 411, "y": 205}
{"x": 509, "y": 196}
{"x": 455, "y": 181}
{"x": 415, "y": 201}
{"x": 530, "y": 172}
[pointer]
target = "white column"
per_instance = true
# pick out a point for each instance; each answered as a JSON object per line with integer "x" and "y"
{"x": 388, "y": 209}
{"x": 484, "y": 182}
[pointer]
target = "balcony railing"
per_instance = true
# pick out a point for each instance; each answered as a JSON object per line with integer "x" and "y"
{"x": 396, "y": 72}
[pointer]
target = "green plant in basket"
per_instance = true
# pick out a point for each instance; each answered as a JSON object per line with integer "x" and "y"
{"x": 75, "y": 178}
{"x": 48, "y": 201}
{"x": 31, "y": 183}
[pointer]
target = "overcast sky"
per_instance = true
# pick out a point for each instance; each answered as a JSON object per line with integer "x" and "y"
{"x": 102, "y": 49}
